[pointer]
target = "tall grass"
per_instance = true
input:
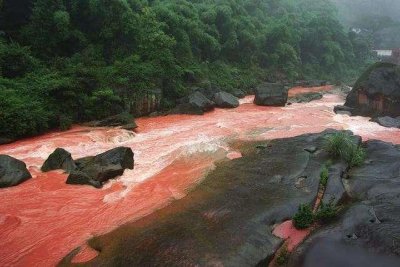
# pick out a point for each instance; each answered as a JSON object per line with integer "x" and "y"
{"x": 342, "y": 146}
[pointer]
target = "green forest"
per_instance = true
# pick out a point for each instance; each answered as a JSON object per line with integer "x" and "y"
{"x": 71, "y": 61}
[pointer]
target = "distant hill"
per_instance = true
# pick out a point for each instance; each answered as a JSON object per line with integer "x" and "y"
{"x": 381, "y": 18}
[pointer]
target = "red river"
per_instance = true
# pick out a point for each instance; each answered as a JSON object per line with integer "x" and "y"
{"x": 43, "y": 219}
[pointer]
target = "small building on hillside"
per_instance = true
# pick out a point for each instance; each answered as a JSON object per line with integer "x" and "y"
{"x": 389, "y": 55}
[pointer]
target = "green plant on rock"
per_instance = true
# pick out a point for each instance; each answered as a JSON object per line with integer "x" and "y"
{"x": 304, "y": 217}
{"x": 324, "y": 176}
{"x": 283, "y": 256}
{"x": 326, "y": 213}
{"x": 342, "y": 146}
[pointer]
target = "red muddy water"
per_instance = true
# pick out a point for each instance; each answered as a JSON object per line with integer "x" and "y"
{"x": 43, "y": 219}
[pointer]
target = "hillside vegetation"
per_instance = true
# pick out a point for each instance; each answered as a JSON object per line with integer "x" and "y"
{"x": 66, "y": 61}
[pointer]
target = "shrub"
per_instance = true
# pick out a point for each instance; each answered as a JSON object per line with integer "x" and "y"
{"x": 340, "y": 145}
{"x": 326, "y": 213}
{"x": 324, "y": 176}
{"x": 304, "y": 217}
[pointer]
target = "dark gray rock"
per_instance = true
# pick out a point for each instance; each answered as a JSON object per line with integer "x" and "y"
{"x": 270, "y": 94}
{"x": 311, "y": 149}
{"x": 343, "y": 110}
{"x": 102, "y": 167}
{"x": 196, "y": 104}
{"x": 12, "y": 171}
{"x": 307, "y": 97}
{"x": 335, "y": 191}
{"x": 208, "y": 91}
{"x": 125, "y": 120}
{"x": 377, "y": 92}
{"x": 388, "y": 122}
{"x": 226, "y": 100}
{"x": 238, "y": 93}
{"x": 81, "y": 178}
{"x": 382, "y": 168}
{"x": 368, "y": 233}
{"x": 60, "y": 159}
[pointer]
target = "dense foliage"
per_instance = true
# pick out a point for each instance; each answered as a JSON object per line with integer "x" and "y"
{"x": 65, "y": 61}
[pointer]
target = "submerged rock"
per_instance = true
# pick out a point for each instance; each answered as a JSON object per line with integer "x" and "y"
{"x": 60, "y": 159}
{"x": 12, "y": 171}
{"x": 307, "y": 97}
{"x": 102, "y": 167}
{"x": 377, "y": 92}
{"x": 125, "y": 120}
{"x": 271, "y": 94}
{"x": 226, "y": 100}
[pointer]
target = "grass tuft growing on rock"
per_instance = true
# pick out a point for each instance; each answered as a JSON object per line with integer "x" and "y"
{"x": 326, "y": 213}
{"x": 342, "y": 146}
{"x": 324, "y": 176}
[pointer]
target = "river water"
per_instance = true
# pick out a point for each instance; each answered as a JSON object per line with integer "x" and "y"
{"x": 43, "y": 219}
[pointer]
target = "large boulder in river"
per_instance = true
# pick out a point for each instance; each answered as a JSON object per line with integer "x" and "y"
{"x": 226, "y": 100}
{"x": 101, "y": 168}
{"x": 60, "y": 159}
{"x": 196, "y": 104}
{"x": 270, "y": 94}
{"x": 377, "y": 92}
{"x": 12, "y": 171}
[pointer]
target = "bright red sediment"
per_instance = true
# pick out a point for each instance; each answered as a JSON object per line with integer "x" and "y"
{"x": 293, "y": 237}
{"x": 43, "y": 219}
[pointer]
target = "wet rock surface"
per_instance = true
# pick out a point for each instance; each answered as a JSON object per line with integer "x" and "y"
{"x": 96, "y": 170}
{"x": 377, "y": 92}
{"x": 226, "y": 100}
{"x": 388, "y": 122}
{"x": 60, "y": 159}
{"x": 12, "y": 171}
{"x": 271, "y": 94}
{"x": 368, "y": 233}
{"x": 226, "y": 220}
{"x": 125, "y": 120}
{"x": 238, "y": 93}
{"x": 305, "y": 98}
{"x": 195, "y": 104}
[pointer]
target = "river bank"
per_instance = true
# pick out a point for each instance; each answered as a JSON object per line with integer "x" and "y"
{"x": 44, "y": 219}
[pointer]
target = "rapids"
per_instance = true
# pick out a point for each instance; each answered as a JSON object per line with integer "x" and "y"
{"x": 43, "y": 219}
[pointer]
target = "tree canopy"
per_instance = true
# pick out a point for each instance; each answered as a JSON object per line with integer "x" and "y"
{"x": 78, "y": 60}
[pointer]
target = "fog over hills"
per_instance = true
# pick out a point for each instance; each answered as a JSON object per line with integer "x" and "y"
{"x": 381, "y": 18}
